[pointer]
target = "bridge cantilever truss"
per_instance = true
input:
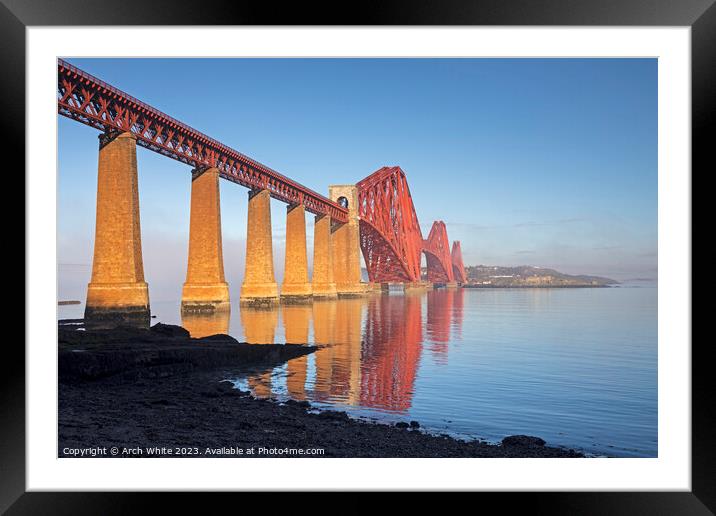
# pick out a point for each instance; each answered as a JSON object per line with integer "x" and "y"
{"x": 458, "y": 268}
{"x": 389, "y": 230}
{"x": 89, "y": 100}
{"x": 437, "y": 254}
{"x": 390, "y": 236}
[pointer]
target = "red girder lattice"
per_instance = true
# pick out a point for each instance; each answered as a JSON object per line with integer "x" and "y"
{"x": 458, "y": 268}
{"x": 437, "y": 254}
{"x": 88, "y": 100}
{"x": 390, "y": 235}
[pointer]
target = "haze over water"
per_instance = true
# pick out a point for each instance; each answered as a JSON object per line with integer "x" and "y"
{"x": 577, "y": 367}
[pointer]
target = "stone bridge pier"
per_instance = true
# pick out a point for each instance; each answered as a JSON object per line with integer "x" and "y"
{"x": 324, "y": 286}
{"x": 259, "y": 287}
{"x": 117, "y": 291}
{"x": 296, "y": 286}
{"x": 336, "y": 253}
{"x": 205, "y": 289}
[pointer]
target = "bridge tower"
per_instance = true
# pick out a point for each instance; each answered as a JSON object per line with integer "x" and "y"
{"x": 117, "y": 291}
{"x": 346, "y": 243}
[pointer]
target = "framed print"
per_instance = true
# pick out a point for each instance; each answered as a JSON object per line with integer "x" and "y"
{"x": 435, "y": 249}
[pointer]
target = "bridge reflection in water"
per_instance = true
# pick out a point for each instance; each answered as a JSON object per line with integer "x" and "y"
{"x": 201, "y": 324}
{"x": 370, "y": 348}
{"x": 442, "y": 314}
{"x": 296, "y": 325}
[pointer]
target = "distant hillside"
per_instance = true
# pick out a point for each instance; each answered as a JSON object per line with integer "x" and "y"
{"x": 523, "y": 276}
{"x": 529, "y": 276}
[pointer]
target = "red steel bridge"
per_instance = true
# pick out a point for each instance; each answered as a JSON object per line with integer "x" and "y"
{"x": 390, "y": 237}
{"x": 93, "y": 102}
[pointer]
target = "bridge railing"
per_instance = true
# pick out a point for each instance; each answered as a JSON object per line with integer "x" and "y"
{"x": 91, "y": 101}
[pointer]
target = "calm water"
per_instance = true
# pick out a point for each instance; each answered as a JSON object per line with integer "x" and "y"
{"x": 577, "y": 367}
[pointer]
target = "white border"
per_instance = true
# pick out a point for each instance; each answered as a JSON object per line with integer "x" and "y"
{"x": 671, "y": 470}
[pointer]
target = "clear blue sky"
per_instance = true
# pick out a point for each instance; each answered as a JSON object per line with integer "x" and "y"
{"x": 548, "y": 162}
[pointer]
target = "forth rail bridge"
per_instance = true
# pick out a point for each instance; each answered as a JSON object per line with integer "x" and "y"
{"x": 376, "y": 216}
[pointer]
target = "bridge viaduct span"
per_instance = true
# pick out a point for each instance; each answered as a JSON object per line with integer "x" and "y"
{"x": 376, "y": 216}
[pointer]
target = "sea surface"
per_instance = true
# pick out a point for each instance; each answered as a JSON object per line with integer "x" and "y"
{"x": 575, "y": 366}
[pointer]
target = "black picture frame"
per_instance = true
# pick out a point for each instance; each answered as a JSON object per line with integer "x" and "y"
{"x": 700, "y": 15}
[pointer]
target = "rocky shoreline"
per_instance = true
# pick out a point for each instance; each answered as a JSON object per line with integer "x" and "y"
{"x": 156, "y": 392}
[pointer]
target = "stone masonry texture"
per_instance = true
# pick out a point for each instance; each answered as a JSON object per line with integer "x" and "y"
{"x": 117, "y": 286}
{"x": 205, "y": 288}
{"x": 259, "y": 286}
{"x": 323, "y": 282}
{"x": 295, "y": 277}
{"x": 346, "y": 244}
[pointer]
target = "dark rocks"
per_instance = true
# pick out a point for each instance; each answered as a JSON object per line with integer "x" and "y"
{"x": 302, "y": 404}
{"x": 524, "y": 441}
{"x": 127, "y": 354}
{"x": 332, "y": 415}
{"x": 219, "y": 389}
{"x": 225, "y": 387}
{"x": 403, "y": 424}
{"x": 219, "y": 337}
{"x": 171, "y": 331}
